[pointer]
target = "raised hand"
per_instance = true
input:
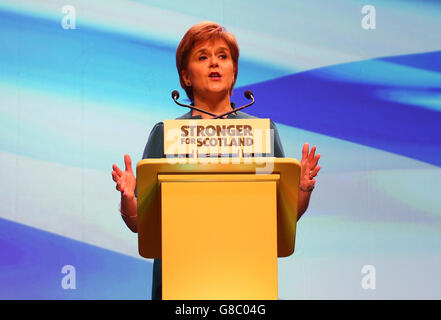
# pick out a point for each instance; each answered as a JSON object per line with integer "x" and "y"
{"x": 309, "y": 168}
{"x": 125, "y": 180}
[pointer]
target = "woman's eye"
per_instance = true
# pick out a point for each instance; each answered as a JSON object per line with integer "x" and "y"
{"x": 202, "y": 57}
{"x": 223, "y": 56}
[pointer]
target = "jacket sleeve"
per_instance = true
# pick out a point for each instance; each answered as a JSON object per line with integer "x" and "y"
{"x": 155, "y": 145}
{"x": 278, "y": 149}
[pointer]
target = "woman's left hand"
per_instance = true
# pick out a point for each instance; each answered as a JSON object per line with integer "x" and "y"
{"x": 309, "y": 168}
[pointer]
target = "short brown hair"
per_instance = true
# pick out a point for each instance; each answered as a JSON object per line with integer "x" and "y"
{"x": 200, "y": 32}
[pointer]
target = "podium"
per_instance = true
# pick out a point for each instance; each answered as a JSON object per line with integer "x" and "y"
{"x": 218, "y": 226}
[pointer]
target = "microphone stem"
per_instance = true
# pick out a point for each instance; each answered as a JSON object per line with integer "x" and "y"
{"x": 194, "y": 108}
{"x": 240, "y": 108}
{"x": 212, "y": 114}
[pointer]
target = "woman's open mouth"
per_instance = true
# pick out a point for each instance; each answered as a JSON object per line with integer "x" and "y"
{"x": 215, "y": 76}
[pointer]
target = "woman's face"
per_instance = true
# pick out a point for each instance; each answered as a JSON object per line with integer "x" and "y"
{"x": 210, "y": 68}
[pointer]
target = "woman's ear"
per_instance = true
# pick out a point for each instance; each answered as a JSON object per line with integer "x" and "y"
{"x": 186, "y": 78}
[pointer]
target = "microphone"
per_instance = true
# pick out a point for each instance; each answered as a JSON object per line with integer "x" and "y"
{"x": 248, "y": 94}
{"x": 175, "y": 97}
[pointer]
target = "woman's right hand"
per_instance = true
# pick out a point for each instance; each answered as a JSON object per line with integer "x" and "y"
{"x": 125, "y": 180}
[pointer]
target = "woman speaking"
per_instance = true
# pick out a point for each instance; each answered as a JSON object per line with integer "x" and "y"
{"x": 207, "y": 62}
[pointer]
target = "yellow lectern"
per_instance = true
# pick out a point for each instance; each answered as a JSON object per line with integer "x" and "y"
{"x": 218, "y": 224}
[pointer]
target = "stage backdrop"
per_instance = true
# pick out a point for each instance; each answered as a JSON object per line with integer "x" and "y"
{"x": 83, "y": 82}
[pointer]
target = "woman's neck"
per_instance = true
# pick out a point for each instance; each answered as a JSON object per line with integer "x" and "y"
{"x": 214, "y": 105}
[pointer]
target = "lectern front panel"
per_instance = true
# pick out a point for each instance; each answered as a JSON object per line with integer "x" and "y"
{"x": 219, "y": 237}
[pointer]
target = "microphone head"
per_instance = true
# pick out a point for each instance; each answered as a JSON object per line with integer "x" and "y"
{"x": 175, "y": 94}
{"x": 248, "y": 94}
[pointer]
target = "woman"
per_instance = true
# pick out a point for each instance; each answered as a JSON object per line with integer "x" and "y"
{"x": 207, "y": 62}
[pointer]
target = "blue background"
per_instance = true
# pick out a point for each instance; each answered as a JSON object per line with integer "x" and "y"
{"x": 74, "y": 101}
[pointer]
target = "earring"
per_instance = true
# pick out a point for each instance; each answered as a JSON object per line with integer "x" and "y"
{"x": 188, "y": 83}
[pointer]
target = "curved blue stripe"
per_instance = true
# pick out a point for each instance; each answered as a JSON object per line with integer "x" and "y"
{"x": 354, "y": 111}
{"x": 427, "y": 61}
{"x": 31, "y": 261}
{"x": 96, "y": 64}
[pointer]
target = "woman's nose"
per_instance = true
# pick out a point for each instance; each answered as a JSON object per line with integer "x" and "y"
{"x": 214, "y": 61}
